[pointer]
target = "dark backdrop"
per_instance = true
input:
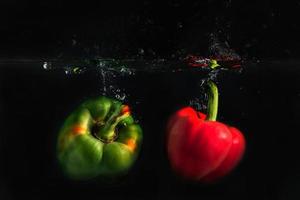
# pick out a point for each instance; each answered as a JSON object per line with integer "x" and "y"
{"x": 263, "y": 101}
{"x": 263, "y": 29}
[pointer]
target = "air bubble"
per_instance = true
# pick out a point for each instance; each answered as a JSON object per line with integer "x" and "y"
{"x": 120, "y": 96}
{"x": 47, "y": 65}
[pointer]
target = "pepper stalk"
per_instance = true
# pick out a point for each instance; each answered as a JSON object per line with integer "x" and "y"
{"x": 213, "y": 96}
{"x": 107, "y": 132}
{"x": 213, "y": 100}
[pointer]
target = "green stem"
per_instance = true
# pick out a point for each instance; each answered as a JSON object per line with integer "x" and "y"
{"x": 212, "y": 105}
{"x": 213, "y": 64}
{"x": 107, "y": 132}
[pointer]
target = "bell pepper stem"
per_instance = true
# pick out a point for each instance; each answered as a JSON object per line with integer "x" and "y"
{"x": 107, "y": 132}
{"x": 213, "y": 64}
{"x": 212, "y": 105}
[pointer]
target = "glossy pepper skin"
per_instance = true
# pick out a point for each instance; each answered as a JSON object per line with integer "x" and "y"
{"x": 200, "y": 148}
{"x": 100, "y": 138}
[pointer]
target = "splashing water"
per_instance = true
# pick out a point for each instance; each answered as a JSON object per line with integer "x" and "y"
{"x": 103, "y": 76}
{"x": 110, "y": 71}
{"x": 221, "y": 50}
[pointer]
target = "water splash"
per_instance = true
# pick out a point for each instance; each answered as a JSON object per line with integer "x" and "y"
{"x": 126, "y": 71}
{"x": 103, "y": 78}
{"x": 118, "y": 67}
{"x": 110, "y": 71}
{"x": 221, "y": 50}
{"x": 199, "y": 102}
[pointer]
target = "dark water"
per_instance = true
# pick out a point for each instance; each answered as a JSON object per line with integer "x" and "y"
{"x": 262, "y": 101}
{"x": 158, "y": 28}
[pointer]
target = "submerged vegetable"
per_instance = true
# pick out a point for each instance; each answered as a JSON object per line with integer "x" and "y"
{"x": 100, "y": 138}
{"x": 199, "y": 147}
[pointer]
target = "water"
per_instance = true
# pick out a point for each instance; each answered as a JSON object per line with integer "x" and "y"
{"x": 262, "y": 101}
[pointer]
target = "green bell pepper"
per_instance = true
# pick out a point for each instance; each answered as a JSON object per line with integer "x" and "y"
{"x": 100, "y": 138}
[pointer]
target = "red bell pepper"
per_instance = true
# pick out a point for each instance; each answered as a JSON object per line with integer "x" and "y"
{"x": 200, "y": 148}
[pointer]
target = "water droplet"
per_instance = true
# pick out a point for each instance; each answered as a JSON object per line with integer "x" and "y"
{"x": 74, "y": 70}
{"x": 74, "y": 42}
{"x": 126, "y": 71}
{"x": 120, "y": 96}
{"x": 47, "y": 65}
{"x": 197, "y": 103}
{"x": 141, "y": 51}
{"x": 179, "y": 25}
{"x": 228, "y": 3}
{"x": 103, "y": 78}
{"x": 68, "y": 70}
{"x": 221, "y": 48}
{"x": 272, "y": 14}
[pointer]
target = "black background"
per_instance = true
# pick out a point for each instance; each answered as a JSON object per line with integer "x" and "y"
{"x": 263, "y": 101}
{"x": 162, "y": 29}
